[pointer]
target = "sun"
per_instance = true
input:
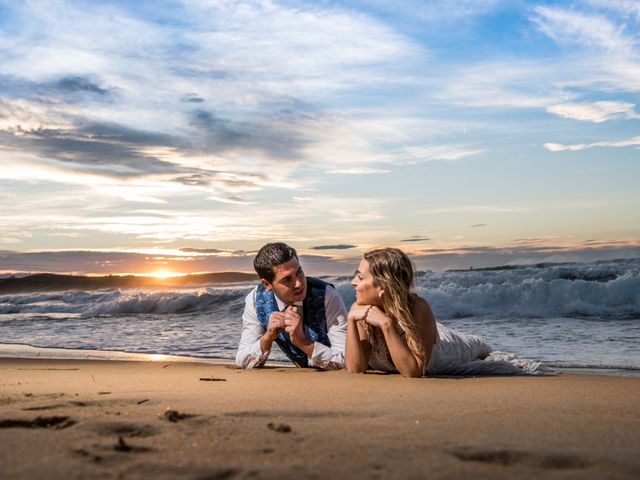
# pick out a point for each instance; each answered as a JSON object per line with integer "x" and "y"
{"x": 164, "y": 273}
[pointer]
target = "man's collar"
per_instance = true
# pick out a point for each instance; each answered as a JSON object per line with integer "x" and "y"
{"x": 282, "y": 305}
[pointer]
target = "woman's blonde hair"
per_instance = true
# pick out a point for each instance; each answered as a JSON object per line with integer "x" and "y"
{"x": 393, "y": 271}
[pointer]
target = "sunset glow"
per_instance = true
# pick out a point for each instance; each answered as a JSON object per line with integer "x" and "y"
{"x": 165, "y": 274}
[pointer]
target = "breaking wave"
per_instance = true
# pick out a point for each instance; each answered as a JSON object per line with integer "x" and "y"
{"x": 600, "y": 289}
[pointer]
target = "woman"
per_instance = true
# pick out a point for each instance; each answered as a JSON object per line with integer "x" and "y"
{"x": 392, "y": 329}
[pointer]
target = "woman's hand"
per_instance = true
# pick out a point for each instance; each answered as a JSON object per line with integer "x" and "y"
{"x": 377, "y": 318}
{"x": 358, "y": 312}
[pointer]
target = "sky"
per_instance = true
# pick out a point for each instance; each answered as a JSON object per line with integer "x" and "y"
{"x": 183, "y": 135}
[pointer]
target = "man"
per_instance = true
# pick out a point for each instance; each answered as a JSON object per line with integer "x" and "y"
{"x": 304, "y": 316}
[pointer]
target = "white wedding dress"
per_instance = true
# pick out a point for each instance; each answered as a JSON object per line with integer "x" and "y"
{"x": 457, "y": 353}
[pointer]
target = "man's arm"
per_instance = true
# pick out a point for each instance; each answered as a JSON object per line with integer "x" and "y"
{"x": 332, "y": 358}
{"x": 250, "y": 352}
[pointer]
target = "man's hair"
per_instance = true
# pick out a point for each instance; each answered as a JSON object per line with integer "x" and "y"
{"x": 272, "y": 255}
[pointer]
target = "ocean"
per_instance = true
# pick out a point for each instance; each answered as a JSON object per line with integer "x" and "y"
{"x": 578, "y": 315}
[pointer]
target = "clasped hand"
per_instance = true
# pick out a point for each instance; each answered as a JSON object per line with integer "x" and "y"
{"x": 290, "y": 321}
{"x": 368, "y": 313}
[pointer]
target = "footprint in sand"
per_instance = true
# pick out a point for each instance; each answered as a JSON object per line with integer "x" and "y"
{"x": 513, "y": 457}
{"x": 280, "y": 427}
{"x": 122, "y": 429}
{"x": 110, "y": 453}
{"x": 175, "y": 416}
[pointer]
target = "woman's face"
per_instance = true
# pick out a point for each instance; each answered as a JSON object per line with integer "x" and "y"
{"x": 366, "y": 292}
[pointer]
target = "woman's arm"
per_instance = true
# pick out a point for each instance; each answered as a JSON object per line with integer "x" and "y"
{"x": 403, "y": 349}
{"x": 405, "y": 361}
{"x": 357, "y": 346}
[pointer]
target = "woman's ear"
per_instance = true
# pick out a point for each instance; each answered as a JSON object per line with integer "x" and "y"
{"x": 380, "y": 292}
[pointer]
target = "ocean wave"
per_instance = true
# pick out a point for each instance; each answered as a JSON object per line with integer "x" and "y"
{"x": 125, "y": 302}
{"x": 600, "y": 289}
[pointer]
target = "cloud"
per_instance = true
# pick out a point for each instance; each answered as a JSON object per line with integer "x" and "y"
{"x": 598, "y": 53}
{"x": 358, "y": 171}
{"x": 70, "y": 89}
{"x": 74, "y": 84}
{"x": 119, "y": 262}
{"x": 276, "y": 139}
{"x": 481, "y": 209}
{"x": 202, "y": 250}
{"x": 416, "y": 238}
{"x": 596, "y": 112}
{"x": 111, "y": 150}
{"x": 479, "y": 225}
{"x": 314, "y": 48}
{"x": 440, "y": 152}
{"x": 435, "y": 12}
{"x": 625, "y": 7}
{"x": 341, "y": 246}
{"x": 77, "y": 145}
{"x": 191, "y": 98}
{"x": 558, "y": 147}
{"x": 589, "y": 30}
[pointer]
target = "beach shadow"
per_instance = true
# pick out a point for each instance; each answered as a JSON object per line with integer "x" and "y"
{"x": 52, "y": 423}
{"x": 190, "y": 472}
{"x": 293, "y": 414}
{"x": 59, "y": 405}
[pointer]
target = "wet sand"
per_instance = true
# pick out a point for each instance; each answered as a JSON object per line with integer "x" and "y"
{"x": 68, "y": 419}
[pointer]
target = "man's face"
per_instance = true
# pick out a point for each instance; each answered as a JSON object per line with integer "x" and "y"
{"x": 289, "y": 283}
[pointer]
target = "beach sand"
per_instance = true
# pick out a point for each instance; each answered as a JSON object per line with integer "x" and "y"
{"x": 67, "y": 419}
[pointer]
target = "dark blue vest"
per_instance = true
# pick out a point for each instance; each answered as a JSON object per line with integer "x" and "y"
{"x": 314, "y": 318}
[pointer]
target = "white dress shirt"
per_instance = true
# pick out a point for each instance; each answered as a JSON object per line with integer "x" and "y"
{"x": 250, "y": 355}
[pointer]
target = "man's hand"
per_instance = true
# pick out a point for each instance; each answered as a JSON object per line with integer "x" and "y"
{"x": 293, "y": 326}
{"x": 275, "y": 325}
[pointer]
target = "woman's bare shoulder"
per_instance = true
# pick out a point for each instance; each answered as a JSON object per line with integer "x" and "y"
{"x": 420, "y": 305}
{"x": 423, "y": 316}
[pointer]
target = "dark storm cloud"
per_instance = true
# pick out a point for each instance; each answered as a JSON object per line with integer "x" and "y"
{"x": 341, "y": 246}
{"x": 220, "y": 135}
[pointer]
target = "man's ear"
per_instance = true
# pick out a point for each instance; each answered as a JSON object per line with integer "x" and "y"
{"x": 265, "y": 284}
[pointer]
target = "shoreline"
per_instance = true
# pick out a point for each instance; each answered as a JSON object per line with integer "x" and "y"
{"x": 18, "y": 351}
{"x": 76, "y": 419}
{"x": 26, "y": 351}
